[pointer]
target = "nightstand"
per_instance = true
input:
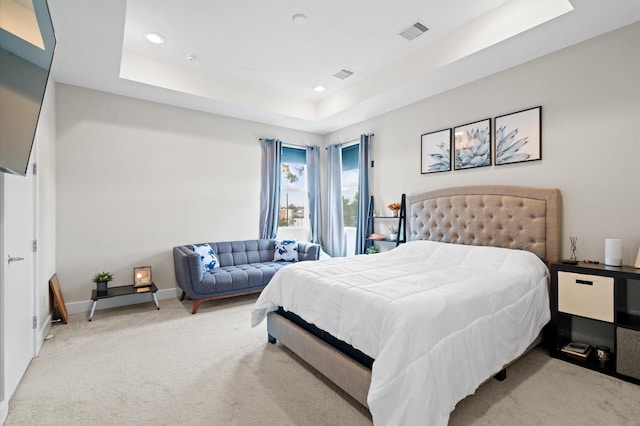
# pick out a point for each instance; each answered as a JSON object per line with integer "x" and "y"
{"x": 598, "y": 305}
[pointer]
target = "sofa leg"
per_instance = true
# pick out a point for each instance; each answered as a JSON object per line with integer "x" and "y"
{"x": 184, "y": 294}
{"x": 197, "y": 302}
{"x": 271, "y": 339}
{"x": 502, "y": 375}
{"x": 196, "y": 305}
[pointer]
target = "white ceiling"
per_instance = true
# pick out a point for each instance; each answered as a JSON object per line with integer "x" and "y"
{"x": 252, "y": 61}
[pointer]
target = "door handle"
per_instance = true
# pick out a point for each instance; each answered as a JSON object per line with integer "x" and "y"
{"x": 14, "y": 259}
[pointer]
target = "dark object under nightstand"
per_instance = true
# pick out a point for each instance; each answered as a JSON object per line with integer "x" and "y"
{"x": 598, "y": 305}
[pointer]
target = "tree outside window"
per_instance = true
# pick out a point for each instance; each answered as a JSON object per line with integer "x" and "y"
{"x": 350, "y": 181}
{"x": 293, "y": 189}
{"x": 350, "y": 198}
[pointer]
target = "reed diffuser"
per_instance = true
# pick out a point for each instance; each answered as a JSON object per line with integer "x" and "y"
{"x": 574, "y": 242}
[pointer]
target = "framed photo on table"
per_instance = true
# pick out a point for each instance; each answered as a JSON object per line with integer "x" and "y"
{"x": 142, "y": 276}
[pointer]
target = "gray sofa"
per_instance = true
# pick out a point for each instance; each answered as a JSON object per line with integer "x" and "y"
{"x": 245, "y": 267}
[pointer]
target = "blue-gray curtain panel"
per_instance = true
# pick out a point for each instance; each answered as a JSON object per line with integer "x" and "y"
{"x": 313, "y": 183}
{"x": 336, "y": 244}
{"x": 363, "y": 194}
{"x": 270, "y": 187}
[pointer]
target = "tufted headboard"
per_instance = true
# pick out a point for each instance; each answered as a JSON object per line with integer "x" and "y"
{"x": 489, "y": 215}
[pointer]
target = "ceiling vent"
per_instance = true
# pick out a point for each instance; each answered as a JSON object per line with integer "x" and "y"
{"x": 413, "y": 31}
{"x": 343, "y": 73}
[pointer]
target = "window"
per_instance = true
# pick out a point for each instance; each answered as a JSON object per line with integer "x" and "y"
{"x": 350, "y": 194}
{"x": 293, "y": 219}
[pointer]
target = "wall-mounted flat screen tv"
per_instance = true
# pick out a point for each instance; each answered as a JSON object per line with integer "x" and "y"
{"x": 27, "y": 43}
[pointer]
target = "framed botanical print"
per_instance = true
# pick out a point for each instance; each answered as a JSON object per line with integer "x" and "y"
{"x": 435, "y": 152}
{"x": 517, "y": 136}
{"x": 472, "y": 143}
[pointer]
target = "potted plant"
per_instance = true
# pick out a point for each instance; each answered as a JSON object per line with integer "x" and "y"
{"x": 393, "y": 233}
{"x": 102, "y": 281}
{"x": 372, "y": 250}
{"x": 394, "y": 207}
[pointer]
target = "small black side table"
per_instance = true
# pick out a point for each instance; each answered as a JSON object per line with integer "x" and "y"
{"x": 122, "y": 291}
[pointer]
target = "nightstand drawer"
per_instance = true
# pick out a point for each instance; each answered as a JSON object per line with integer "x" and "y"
{"x": 589, "y": 296}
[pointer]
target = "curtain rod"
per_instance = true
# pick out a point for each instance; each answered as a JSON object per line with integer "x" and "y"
{"x": 348, "y": 142}
{"x": 298, "y": 146}
{"x": 290, "y": 145}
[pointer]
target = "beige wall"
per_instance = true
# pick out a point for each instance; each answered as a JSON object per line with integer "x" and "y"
{"x": 136, "y": 178}
{"x": 590, "y": 97}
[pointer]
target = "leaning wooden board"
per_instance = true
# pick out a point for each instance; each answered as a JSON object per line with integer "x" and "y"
{"x": 54, "y": 284}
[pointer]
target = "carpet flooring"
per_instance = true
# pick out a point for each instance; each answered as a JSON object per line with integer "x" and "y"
{"x": 136, "y": 365}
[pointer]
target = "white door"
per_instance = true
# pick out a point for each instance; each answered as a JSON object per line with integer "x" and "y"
{"x": 18, "y": 280}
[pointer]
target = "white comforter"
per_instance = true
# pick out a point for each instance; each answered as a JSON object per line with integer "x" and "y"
{"x": 437, "y": 318}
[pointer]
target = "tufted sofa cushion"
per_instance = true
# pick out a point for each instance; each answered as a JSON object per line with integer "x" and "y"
{"x": 240, "y": 277}
{"x": 233, "y": 253}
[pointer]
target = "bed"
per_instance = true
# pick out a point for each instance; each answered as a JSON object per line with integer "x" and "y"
{"x": 411, "y": 332}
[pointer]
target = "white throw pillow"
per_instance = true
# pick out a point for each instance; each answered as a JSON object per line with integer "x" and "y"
{"x": 207, "y": 256}
{"x": 286, "y": 250}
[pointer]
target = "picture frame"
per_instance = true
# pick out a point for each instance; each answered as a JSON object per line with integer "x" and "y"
{"x": 472, "y": 144}
{"x": 435, "y": 151}
{"x": 518, "y": 136}
{"x": 142, "y": 276}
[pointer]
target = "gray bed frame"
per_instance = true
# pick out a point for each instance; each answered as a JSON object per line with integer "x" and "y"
{"x": 502, "y": 216}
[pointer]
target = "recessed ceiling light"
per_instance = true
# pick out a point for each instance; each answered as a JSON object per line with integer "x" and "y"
{"x": 190, "y": 57}
{"x": 299, "y": 19}
{"x": 155, "y": 38}
{"x": 319, "y": 88}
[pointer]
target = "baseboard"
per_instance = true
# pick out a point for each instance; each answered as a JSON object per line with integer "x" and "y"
{"x": 114, "y": 302}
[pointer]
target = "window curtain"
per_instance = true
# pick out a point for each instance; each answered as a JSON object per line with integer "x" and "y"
{"x": 363, "y": 194}
{"x": 270, "y": 187}
{"x": 336, "y": 244}
{"x": 313, "y": 185}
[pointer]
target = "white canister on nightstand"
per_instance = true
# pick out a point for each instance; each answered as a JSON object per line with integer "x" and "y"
{"x": 613, "y": 252}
